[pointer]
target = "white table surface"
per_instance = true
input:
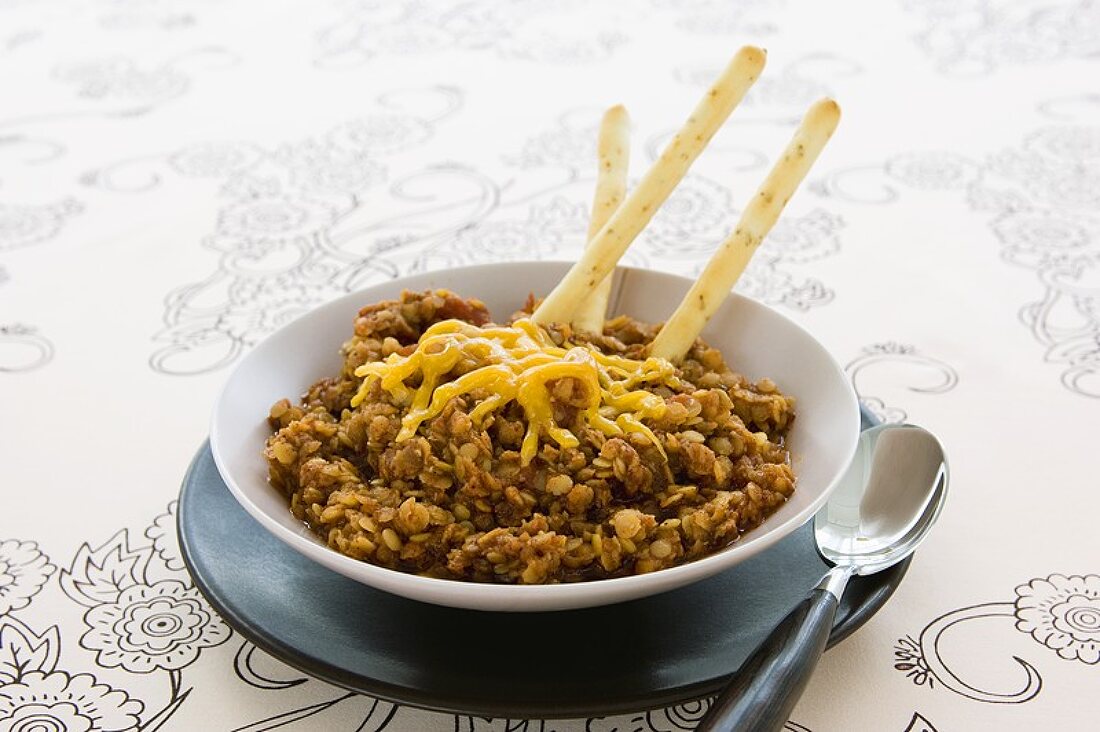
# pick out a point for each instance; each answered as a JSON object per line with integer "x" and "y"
{"x": 178, "y": 178}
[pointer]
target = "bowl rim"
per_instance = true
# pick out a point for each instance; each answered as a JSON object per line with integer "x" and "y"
{"x": 472, "y": 594}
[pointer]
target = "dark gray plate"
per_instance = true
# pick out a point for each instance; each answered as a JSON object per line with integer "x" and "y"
{"x": 644, "y": 654}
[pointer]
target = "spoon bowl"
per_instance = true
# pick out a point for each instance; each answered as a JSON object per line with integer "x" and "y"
{"x": 888, "y": 499}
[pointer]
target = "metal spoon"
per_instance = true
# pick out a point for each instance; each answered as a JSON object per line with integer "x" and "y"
{"x": 886, "y": 502}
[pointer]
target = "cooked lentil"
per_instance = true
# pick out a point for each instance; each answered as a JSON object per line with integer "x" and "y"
{"x": 455, "y": 500}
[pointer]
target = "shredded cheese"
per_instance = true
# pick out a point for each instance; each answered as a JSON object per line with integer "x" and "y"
{"x": 517, "y": 363}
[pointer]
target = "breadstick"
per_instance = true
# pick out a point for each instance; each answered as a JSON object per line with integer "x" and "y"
{"x": 608, "y": 246}
{"x": 613, "y": 149}
{"x": 714, "y": 284}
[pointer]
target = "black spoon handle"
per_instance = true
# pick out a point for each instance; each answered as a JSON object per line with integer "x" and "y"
{"x": 764, "y": 690}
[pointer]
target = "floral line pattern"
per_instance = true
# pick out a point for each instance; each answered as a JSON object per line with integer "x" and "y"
{"x": 291, "y": 233}
{"x": 1061, "y": 612}
{"x": 136, "y": 622}
{"x": 22, "y": 226}
{"x": 719, "y": 18}
{"x": 296, "y": 228}
{"x": 1040, "y": 197}
{"x": 24, "y": 570}
{"x": 34, "y": 693}
{"x": 364, "y": 31}
{"x": 145, "y": 625}
{"x": 976, "y": 37}
{"x": 119, "y": 87}
{"x": 41, "y": 697}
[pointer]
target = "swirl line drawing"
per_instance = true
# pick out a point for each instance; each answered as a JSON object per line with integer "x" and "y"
{"x": 929, "y": 643}
{"x": 893, "y": 355}
{"x": 23, "y": 348}
{"x": 244, "y": 666}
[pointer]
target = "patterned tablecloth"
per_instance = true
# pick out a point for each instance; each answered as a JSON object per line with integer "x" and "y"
{"x": 178, "y": 178}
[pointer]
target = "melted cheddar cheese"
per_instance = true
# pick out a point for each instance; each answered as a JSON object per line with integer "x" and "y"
{"x": 518, "y": 363}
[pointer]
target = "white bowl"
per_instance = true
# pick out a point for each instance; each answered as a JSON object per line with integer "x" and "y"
{"x": 756, "y": 341}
